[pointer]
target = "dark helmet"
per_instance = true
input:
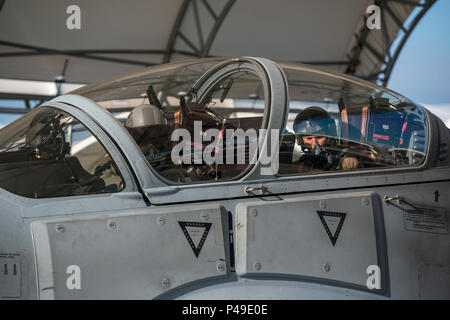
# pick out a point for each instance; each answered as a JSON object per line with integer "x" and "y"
{"x": 147, "y": 124}
{"x": 314, "y": 121}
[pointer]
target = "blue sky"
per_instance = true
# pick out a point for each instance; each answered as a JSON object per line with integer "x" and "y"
{"x": 422, "y": 72}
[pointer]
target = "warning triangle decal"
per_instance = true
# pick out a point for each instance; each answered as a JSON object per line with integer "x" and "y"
{"x": 195, "y": 233}
{"x": 333, "y": 222}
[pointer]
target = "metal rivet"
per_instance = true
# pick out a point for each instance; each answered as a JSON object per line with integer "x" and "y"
{"x": 60, "y": 228}
{"x": 253, "y": 212}
{"x": 221, "y": 267}
{"x": 326, "y": 267}
{"x": 161, "y": 221}
{"x": 257, "y": 266}
{"x": 112, "y": 225}
{"x": 204, "y": 216}
{"x": 365, "y": 201}
{"x": 165, "y": 283}
{"x": 322, "y": 204}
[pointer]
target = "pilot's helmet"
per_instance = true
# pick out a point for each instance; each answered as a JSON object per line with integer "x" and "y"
{"x": 148, "y": 125}
{"x": 314, "y": 121}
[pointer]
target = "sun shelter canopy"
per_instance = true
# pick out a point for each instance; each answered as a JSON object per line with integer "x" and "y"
{"x": 117, "y": 37}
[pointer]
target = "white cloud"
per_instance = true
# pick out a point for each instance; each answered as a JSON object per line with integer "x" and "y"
{"x": 440, "y": 110}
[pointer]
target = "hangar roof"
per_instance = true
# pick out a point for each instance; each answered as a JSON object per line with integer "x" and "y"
{"x": 117, "y": 37}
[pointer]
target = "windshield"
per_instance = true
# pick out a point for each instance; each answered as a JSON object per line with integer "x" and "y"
{"x": 160, "y": 110}
{"x": 49, "y": 153}
{"x": 339, "y": 123}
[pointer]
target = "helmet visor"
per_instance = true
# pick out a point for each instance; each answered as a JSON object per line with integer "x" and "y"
{"x": 318, "y": 126}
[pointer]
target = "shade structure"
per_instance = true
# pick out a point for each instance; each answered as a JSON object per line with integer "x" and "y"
{"x": 117, "y": 37}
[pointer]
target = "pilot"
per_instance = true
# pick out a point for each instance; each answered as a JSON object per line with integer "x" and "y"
{"x": 148, "y": 126}
{"x": 317, "y": 135}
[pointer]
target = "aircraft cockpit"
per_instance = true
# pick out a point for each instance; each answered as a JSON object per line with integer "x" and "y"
{"x": 49, "y": 153}
{"x": 215, "y": 114}
{"x": 249, "y": 173}
{"x": 377, "y": 128}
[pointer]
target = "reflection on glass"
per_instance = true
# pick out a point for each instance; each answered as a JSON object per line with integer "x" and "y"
{"x": 336, "y": 124}
{"x": 48, "y": 153}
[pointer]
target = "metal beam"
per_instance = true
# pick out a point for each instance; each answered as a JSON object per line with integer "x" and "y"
{"x": 198, "y": 23}
{"x": 385, "y": 57}
{"x": 202, "y": 49}
{"x": 215, "y": 29}
{"x": 18, "y": 96}
{"x": 188, "y": 42}
{"x": 14, "y": 110}
{"x": 210, "y": 10}
{"x": 175, "y": 30}
{"x": 74, "y": 53}
{"x": 88, "y": 52}
{"x": 387, "y": 41}
{"x": 354, "y": 59}
{"x": 375, "y": 53}
{"x": 390, "y": 65}
{"x": 395, "y": 18}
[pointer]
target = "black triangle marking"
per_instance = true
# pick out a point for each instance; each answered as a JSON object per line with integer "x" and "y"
{"x": 206, "y": 225}
{"x": 341, "y": 215}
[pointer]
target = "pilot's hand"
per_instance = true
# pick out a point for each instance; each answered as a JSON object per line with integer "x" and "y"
{"x": 349, "y": 163}
{"x": 369, "y": 154}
